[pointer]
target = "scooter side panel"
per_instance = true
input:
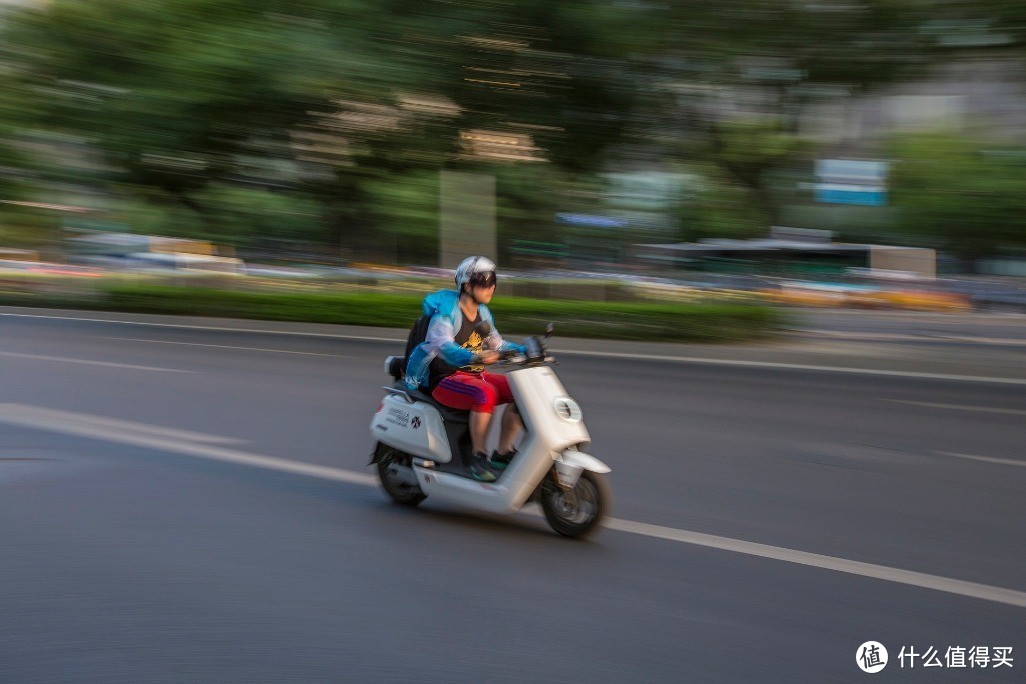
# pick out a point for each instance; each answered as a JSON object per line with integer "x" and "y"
{"x": 415, "y": 428}
{"x": 549, "y": 413}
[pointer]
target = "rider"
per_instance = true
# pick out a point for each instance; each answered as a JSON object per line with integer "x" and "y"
{"x": 450, "y": 362}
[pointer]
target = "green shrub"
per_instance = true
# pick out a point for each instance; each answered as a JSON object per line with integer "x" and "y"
{"x": 675, "y": 322}
{"x": 613, "y": 320}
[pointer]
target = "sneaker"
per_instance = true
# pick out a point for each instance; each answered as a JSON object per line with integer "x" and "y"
{"x": 481, "y": 468}
{"x": 500, "y": 461}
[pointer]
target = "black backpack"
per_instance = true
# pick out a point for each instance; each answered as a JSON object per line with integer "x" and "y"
{"x": 418, "y": 333}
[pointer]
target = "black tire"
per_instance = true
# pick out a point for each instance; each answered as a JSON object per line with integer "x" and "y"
{"x": 400, "y": 492}
{"x": 577, "y": 512}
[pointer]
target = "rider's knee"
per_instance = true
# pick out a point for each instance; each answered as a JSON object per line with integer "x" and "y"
{"x": 485, "y": 400}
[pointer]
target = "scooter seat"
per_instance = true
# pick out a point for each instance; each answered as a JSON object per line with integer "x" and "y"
{"x": 449, "y": 414}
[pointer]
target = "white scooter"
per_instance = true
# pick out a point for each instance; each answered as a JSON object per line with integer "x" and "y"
{"x": 423, "y": 449}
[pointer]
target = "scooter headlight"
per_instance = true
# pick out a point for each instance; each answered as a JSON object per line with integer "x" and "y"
{"x": 568, "y": 410}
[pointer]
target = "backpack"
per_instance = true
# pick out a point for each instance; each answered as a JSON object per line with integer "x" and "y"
{"x": 418, "y": 333}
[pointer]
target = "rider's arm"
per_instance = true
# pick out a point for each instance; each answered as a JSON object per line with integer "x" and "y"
{"x": 502, "y": 345}
{"x": 495, "y": 341}
{"x": 438, "y": 342}
{"x": 441, "y": 340}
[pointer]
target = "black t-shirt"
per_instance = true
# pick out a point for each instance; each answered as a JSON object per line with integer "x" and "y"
{"x": 466, "y": 337}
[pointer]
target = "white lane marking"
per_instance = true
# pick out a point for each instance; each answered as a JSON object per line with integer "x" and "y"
{"x": 882, "y": 572}
{"x": 109, "y": 364}
{"x": 597, "y": 354}
{"x": 796, "y": 366}
{"x": 214, "y": 328}
{"x": 960, "y": 407}
{"x": 145, "y": 436}
{"x": 99, "y": 428}
{"x": 42, "y": 416}
{"x": 985, "y": 459}
{"x": 911, "y": 337}
{"x": 853, "y": 335}
{"x": 224, "y": 346}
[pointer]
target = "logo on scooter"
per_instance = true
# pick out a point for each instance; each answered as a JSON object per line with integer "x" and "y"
{"x": 398, "y": 417}
{"x": 568, "y": 409}
{"x": 415, "y": 422}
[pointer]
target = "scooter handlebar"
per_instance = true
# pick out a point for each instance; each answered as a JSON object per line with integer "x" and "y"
{"x": 534, "y": 353}
{"x": 518, "y": 359}
{"x": 515, "y": 358}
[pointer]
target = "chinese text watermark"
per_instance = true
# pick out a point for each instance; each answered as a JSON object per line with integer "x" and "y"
{"x": 872, "y": 657}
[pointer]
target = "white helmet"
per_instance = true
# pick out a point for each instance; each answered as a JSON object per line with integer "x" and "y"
{"x": 472, "y": 268}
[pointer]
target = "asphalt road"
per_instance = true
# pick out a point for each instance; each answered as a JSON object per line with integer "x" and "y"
{"x": 187, "y": 501}
{"x": 992, "y": 329}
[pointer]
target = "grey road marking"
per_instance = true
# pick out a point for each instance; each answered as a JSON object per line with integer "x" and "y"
{"x": 984, "y": 459}
{"x": 88, "y": 362}
{"x": 225, "y": 346}
{"x": 960, "y": 407}
{"x": 798, "y": 366}
{"x": 214, "y": 328}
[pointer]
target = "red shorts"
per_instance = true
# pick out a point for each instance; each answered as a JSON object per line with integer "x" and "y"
{"x": 478, "y": 392}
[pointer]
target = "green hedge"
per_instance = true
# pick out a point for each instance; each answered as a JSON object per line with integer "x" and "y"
{"x": 639, "y": 321}
{"x": 611, "y": 320}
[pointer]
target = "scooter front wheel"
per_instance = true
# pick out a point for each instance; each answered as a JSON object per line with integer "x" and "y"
{"x": 399, "y": 490}
{"x": 576, "y": 512}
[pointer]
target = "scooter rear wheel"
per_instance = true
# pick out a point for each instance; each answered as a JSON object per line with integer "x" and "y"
{"x": 577, "y": 512}
{"x": 399, "y": 491}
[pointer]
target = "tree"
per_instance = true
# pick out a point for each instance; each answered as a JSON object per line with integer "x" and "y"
{"x": 178, "y": 95}
{"x": 748, "y": 150}
{"x": 741, "y": 73}
{"x": 960, "y": 195}
{"x": 334, "y": 100}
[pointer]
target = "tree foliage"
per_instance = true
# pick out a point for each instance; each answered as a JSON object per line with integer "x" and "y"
{"x": 328, "y": 120}
{"x": 963, "y": 196}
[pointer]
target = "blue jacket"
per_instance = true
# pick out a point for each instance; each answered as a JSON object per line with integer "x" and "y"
{"x": 446, "y": 319}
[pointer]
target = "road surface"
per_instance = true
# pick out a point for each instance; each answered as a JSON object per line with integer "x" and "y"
{"x": 186, "y": 500}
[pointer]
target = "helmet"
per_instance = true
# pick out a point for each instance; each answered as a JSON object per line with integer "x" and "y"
{"x": 473, "y": 268}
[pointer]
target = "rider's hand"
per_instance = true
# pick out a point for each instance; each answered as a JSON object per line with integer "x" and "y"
{"x": 488, "y": 357}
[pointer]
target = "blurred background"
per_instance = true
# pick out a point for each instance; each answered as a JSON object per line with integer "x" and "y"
{"x": 679, "y": 164}
{"x": 721, "y": 142}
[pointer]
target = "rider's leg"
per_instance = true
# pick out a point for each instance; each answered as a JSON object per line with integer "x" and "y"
{"x": 511, "y": 426}
{"x": 479, "y": 424}
{"x": 511, "y": 422}
{"x": 470, "y": 392}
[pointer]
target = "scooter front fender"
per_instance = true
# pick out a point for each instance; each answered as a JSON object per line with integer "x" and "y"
{"x": 571, "y": 463}
{"x": 579, "y": 459}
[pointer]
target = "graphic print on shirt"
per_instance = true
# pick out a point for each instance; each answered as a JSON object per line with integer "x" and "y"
{"x": 468, "y": 338}
{"x": 475, "y": 343}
